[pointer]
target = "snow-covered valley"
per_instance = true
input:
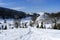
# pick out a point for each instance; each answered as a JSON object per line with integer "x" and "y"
{"x": 19, "y": 25}
{"x": 30, "y": 34}
{"x": 27, "y": 29}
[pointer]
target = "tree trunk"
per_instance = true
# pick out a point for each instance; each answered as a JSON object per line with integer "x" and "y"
{"x": 55, "y": 26}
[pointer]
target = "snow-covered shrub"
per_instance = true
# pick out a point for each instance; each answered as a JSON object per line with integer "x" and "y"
{"x": 41, "y": 25}
{"x": 17, "y": 23}
{"x": 57, "y": 26}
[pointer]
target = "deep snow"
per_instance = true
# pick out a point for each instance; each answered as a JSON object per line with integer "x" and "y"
{"x": 30, "y": 34}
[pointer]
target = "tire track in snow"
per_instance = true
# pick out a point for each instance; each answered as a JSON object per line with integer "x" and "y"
{"x": 26, "y": 36}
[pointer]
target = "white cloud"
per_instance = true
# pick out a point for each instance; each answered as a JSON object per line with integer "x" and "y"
{"x": 11, "y": 5}
{"x": 18, "y": 8}
{"x": 1, "y": 4}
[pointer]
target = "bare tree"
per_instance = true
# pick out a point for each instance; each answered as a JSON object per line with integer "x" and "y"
{"x": 34, "y": 17}
{"x": 54, "y": 18}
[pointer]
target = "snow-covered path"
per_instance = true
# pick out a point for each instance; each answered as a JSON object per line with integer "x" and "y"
{"x": 30, "y": 34}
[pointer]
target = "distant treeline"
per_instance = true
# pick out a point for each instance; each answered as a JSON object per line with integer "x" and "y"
{"x": 10, "y": 13}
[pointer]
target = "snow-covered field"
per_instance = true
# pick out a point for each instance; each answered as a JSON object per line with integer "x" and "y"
{"x": 30, "y": 34}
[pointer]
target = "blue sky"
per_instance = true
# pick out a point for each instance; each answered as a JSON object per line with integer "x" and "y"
{"x": 32, "y": 5}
